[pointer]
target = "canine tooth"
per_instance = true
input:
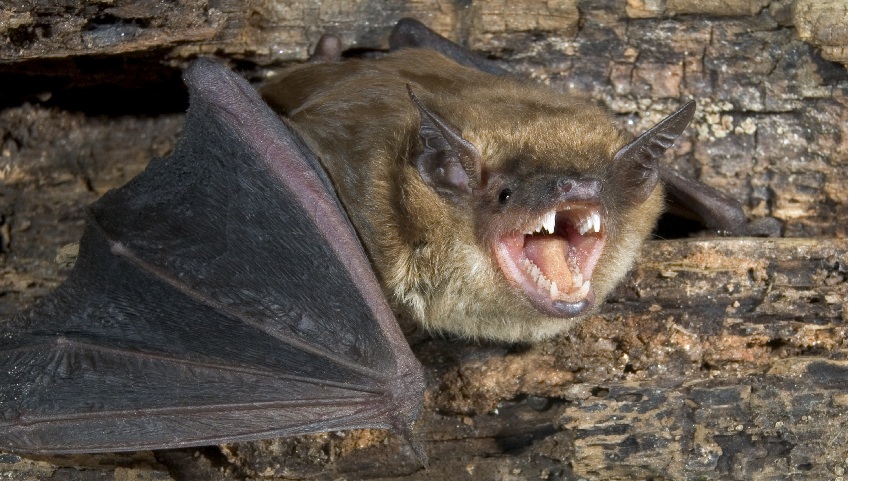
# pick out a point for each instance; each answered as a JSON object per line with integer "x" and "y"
{"x": 584, "y": 290}
{"x": 549, "y": 221}
{"x": 597, "y": 221}
{"x": 553, "y": 290}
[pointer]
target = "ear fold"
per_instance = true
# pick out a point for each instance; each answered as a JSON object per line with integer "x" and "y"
{"x": 637, "y": 162}
{"x": 448, "y": 162}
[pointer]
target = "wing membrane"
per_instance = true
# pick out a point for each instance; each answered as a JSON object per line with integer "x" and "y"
{"x": 221, "y": 295}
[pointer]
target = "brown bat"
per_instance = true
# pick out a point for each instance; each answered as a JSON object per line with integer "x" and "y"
{"x": 491, "y": 207}
{"x": 223, "y": 295}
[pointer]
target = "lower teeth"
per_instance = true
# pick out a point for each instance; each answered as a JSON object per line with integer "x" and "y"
{"x": 551, "y": 287}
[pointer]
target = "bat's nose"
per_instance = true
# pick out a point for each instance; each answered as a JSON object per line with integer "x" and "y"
{"x": 578, "y": 189}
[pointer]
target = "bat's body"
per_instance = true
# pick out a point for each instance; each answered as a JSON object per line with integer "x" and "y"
{"x": 223, "y": 295}
{"x": 454, "y": 258}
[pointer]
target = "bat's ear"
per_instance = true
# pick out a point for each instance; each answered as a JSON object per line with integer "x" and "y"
{"x": 637, "y": 162}
{"x": 448, "y": 163}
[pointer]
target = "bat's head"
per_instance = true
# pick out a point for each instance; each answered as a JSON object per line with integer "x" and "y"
{"x": 560, "y": 199}
{"x": 490, "y": 208}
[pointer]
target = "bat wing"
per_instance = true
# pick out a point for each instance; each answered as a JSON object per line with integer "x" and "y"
{"x": 717, "y": 210}
{"x": 222, "y": 295}
{"x": 409, "y": 32}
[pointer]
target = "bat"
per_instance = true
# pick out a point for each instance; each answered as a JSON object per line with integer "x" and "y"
{"x": 220, "y": 296}
{"x": 490, "y": 206}
{"x": 233, "y": 291}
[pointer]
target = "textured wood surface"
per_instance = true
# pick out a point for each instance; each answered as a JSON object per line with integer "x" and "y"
{"x": 716, "y": 359}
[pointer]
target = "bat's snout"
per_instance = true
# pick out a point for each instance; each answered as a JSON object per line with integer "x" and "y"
{"x": 578, "y": 190}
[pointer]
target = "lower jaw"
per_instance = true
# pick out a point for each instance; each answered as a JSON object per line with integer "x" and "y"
{"x": 524, "y": 287}
{"x": 564, "y": 309}
{"x": 512, "y": 324}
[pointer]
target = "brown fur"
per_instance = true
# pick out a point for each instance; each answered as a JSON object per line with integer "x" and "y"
{"x": 429, "y": 253}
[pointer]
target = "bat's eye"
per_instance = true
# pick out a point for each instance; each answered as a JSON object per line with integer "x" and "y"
{"x": 504, "y": 196}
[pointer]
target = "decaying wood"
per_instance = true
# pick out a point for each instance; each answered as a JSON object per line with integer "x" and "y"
{"x": 723, "y": 359}
{"x": 717, "y": 359}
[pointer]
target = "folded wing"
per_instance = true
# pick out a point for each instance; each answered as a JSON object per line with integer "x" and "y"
{"x": 222, "y": 295}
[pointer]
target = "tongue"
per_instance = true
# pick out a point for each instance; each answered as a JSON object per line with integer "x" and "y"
{"x": 550, "y": 254}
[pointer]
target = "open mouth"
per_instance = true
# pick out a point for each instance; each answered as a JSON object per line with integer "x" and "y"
{"x": 552, "y": 259}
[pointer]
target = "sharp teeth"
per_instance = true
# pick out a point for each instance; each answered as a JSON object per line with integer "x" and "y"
{"x": 536, "y": 274}
{"x": 551, "y": 287}
{"x": 584, "y": 290}
{"x": 532, "y": 270}
{"x": 592, "y": 222}
{"x": 549, "y": 221}
{"x": 585, "y": 225}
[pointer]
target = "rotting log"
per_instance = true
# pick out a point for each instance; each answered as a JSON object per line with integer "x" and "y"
{"x": 717, "y": 358}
